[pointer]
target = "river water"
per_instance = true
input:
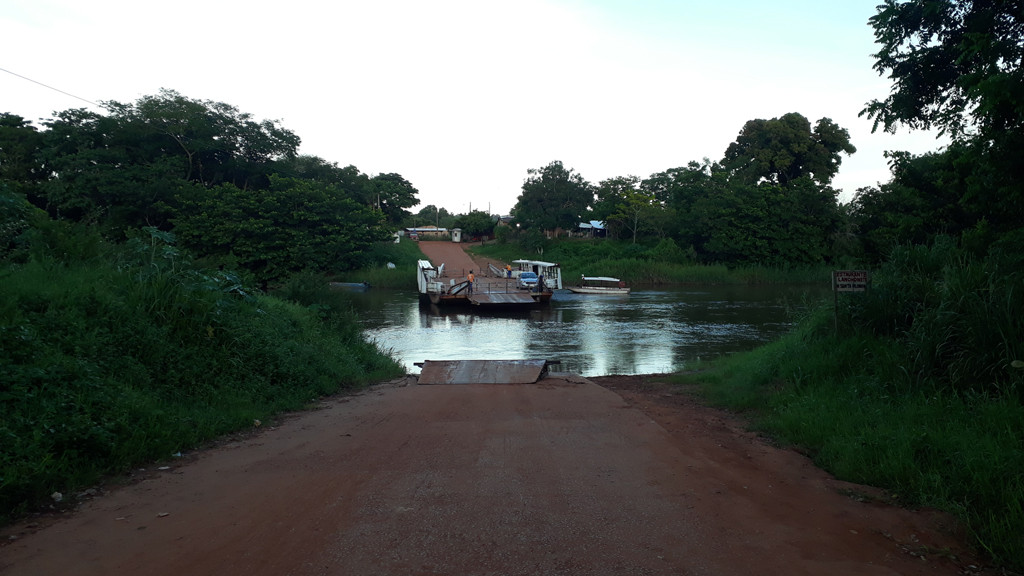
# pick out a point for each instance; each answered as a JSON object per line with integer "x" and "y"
{"x": 650, "y": 331}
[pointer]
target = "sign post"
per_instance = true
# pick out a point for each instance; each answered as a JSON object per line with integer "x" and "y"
{"x": 847, "y": 281}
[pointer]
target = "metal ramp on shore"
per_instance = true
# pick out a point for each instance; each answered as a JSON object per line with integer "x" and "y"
{"x": 501, "y": 299}
{"x": 482, "y": 371}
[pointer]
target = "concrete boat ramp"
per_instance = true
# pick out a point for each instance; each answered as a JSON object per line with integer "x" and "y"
{"x": 483, "y": 371}
{"x": 501, "y": 299}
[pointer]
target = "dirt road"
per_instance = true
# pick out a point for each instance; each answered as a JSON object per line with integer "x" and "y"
{"x": 456, "y": 260}
{"x": 564, "y": 476}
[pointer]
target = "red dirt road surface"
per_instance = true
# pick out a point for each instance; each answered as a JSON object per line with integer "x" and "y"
{"x": 560, "y": 477}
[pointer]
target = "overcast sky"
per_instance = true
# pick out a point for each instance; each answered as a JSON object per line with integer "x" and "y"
{"x": 463, "y": 97}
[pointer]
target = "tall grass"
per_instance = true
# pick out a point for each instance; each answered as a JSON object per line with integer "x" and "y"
{"x": 136, "y": 355}
{"x": 376, "y": 271}
{"x": 919, "y": 393}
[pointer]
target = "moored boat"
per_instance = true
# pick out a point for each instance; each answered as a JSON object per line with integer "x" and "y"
{"x": 600, "y": 285}
{"x": 437, "y": 288}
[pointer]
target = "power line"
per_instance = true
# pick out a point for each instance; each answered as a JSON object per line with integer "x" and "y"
{"x": 50, "y": 87}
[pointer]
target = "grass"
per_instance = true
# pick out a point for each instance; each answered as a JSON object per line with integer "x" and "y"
{"x": 376, "y": 271}
{"x": 135, "y": 356}
{"x": 850, "y": 404}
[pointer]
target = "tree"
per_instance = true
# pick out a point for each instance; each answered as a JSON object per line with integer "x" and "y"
{"x": 784, "y": 149}
{"x": 679, "y": 190}
{"x": 20, "y": 164}
{"x": 921, "y": 201}
{"x": 610, "y": 193}
{"x": 431, "y": 215}
{"x": 217, "y": 141}
{"x": 295, "y": 225}
{"x": 102, "y": 173}
{"x": 631, "y": 206}
{"x": 475, "y": 223}
{"x": 124, "y": 169}
{"x": 553, "y": 197}
{"x": 956, "y": 67}
{"x": 392, "y": 194}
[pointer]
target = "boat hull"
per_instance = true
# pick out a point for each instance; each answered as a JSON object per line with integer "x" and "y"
{"x": 598, "y": 290}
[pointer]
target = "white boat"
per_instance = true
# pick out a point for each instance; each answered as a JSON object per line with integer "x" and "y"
{"x": 600, "y": 285}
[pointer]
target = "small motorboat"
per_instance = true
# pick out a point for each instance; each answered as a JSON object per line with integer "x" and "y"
{"x": 600, "y": 285}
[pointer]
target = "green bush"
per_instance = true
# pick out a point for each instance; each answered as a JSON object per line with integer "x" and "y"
{"x": 959, "y": 318}
{"x": 376, "y": 272}
{"x": 919, "y": 393}
{"x": 137, "y": 355}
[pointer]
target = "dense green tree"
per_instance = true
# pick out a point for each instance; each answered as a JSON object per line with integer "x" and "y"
{"x": 217, "y": 142}
{"x": 475, "y": 223}
{"x": 767, "y": 224}
{"x": 16, "y": 217}
{"x": 956, "y": 67}
{"x": 392, "y": 194}
{"x": 431, "y": 215}
{"x": 784, "y": 149}
{"x": 633, "y": 208}
{"x": 610, "y": 193}
{"x": 123, "y": 169}
{"x": 679, "y": 189}
{"x": 920, "y": 202}
{"x": 349, "y": 179}
{"x": 100, "y": 174}
{"x": 294, "y": 225}
{"x": 553, "y": 197}
{"x": 21, "y": 166}
{"x": 734, "y": 221}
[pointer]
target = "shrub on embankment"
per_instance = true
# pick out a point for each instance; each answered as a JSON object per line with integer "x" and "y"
{"x": 376, "y": 272}
{"x": 130, "y": 354}
{"x": 920, "y": 392}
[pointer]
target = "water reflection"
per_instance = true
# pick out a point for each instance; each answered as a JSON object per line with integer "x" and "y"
{"x": 649, "y": 331}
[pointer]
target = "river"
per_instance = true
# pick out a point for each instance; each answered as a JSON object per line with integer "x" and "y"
{"x": 652, "y": 330}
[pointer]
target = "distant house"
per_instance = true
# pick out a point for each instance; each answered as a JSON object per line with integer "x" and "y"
{"x": 592, "y": 229}
{"x": 432, "y": 232}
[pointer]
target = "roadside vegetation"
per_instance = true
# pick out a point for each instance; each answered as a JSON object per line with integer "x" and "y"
{"x": 377, "y": 272}
{"x": 113, "y": 355}
{"x": 919, "y": 391}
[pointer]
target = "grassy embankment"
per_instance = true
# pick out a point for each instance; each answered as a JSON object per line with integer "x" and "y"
{"x": 116, "y": 355}
{"x": 927, "y": 406}
{"x": 403, "y": 276}
{"x": 664, "y": 263}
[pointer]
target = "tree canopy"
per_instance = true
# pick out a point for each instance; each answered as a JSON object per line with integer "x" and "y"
{"x": 553, "y": 197}
{"x": 392, "y": 194}
{"x": 475, "y": 223}
{"x": 956, "y": 67}
{"x": 230, "y": 186}
{"x": 784, "y": 149}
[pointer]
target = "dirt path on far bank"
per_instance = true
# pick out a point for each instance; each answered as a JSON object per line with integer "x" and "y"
{"x": 456, "y": 259}
{"x": 563, "y": 477}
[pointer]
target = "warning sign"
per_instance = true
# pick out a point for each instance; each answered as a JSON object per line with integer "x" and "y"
{"x": 849, "y": 280}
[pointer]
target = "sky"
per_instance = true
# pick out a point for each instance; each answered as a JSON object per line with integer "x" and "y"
{"x": 463, "y": 97}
